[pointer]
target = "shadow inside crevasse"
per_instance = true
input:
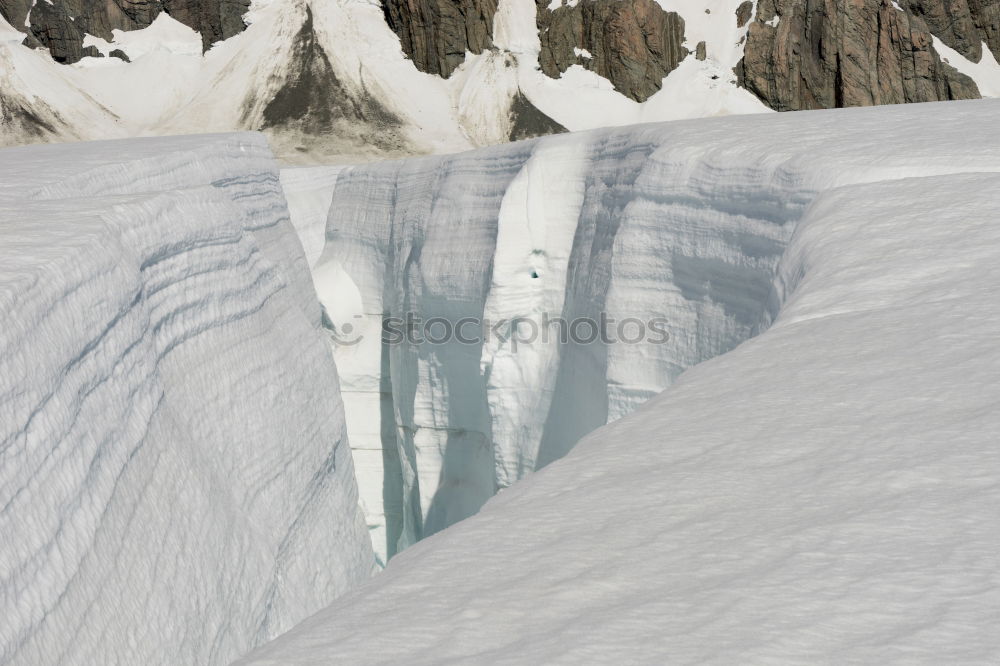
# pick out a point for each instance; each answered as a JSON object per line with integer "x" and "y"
{"x": 580, "y": 398}
{"x": 392, "y": 472}
{"x": 467, "y": 477}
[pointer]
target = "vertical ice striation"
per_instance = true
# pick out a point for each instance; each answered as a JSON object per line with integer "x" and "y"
{"x": 422, "y": 429}
{"x": 175, "y": 481}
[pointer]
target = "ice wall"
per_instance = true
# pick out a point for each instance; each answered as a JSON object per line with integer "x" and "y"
{"x": 825, "y": 493}
{"x": 175, "y": 481}
{"x": 681, "y": 222}
{"x": 620, "y": 225}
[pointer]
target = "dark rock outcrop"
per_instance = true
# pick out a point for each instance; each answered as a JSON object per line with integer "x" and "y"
{"x": 961, "y": 24}
{"x": 60, "y": 26}
{"x": 216, "y": 20}
{"x": 435, "y": 34}
{"x": 527, "y": 121}
{"x": 54, "y": 28}
{"x": 633, "y": 44}
{"x": 15, "y": 12}
{"x": 744, "y": 13}
{"x": 834, "y": 53}
{"x": 121, "y": 55}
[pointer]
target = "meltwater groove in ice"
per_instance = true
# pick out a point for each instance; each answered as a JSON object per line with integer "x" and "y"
{"x": 175, "y": 481}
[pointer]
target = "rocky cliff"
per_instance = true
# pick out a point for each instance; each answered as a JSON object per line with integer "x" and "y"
{"x": 964, "y": 25}
{"x": 815, "y": 54}
{"x": 799, "y": 54}
{"x": 632, "y": 44}
{"x": 60, "y": 25}
{"x": 436, "y": 34}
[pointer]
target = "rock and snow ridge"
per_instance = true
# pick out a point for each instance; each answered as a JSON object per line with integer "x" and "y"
{"x": 330, "y": 81}
{"x": 175, "y": 481}
{"x": 826, "y": 492}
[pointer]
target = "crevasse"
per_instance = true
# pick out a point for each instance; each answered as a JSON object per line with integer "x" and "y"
{"x": 829, "y": 487}
{"x": 685, "y": 222}
{"x": 611, "y": 224}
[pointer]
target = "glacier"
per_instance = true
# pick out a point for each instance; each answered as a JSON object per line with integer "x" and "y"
{"x": 817, "y": 483}
{"x": 684, "y": 222}
{"x": 175, "y": 480}
{"x": 193, "y": 375}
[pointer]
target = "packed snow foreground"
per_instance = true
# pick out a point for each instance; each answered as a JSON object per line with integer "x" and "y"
{"x": 827, "y": 491}
{"x": 819, "y": 480}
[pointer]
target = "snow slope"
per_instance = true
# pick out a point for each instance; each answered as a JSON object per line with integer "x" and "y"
{"x": 684, "y": 222}
{"x": 826, "y": 492}
{"x": 175, "y": 481}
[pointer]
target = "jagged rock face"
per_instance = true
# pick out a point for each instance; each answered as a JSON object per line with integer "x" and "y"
{"x": 15, "y": 12}
{"x": 834, "y": 53}
{"x": 61, "y": 25}
{"x": 435, "y": 34}
{"x": 632, "y": 44}
{"x": 961, "y": 24}
{"x": 54, "y": 28}
{"x": 216, "y": 20}
{"x": 744, "y": 13}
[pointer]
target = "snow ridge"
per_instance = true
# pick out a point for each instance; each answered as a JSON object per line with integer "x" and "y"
{"x": 175, "y": 481}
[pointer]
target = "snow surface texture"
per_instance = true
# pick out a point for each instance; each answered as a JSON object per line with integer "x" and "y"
{"x": 175, "y": 481}
{"x": 827, "y": 492}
